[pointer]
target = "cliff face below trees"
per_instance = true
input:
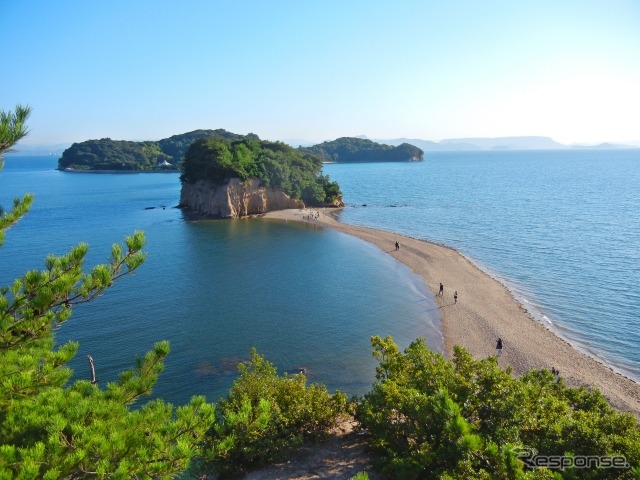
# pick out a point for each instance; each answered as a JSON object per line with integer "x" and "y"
{"x": 234, "y": 199}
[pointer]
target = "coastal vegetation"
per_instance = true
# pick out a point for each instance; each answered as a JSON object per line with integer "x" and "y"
{"x": 168, "y": 153}
{"x": 13, "y": 127}
{"x": 121, "y": 155}
{"x": 265, "y": 416}
{"x": 177, "y": 145}
{"x": 351, "y": 149}
{"x": 429, "y": 417}
{"x": 50, "y": 428}
{"x": 425, "y": 416}
{"x": 275, "y": 164}
{"x": 107, "y": 154}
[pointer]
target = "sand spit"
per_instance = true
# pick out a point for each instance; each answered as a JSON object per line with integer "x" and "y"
{"x": 485, "y": 311}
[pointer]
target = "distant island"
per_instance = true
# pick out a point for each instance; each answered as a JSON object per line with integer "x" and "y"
{"x": 122, "y": 155}
{"x": 497, "y": 143}
{"x": 81, "y": 155}
{"x": 354, "y": 149}
{"x": 236, "y": 178}
{"x": 167, "y": 154}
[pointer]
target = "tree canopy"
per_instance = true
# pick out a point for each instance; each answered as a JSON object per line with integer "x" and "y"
{"x": 52, "y": 429}
{"x": 265, "y": 416}
{"x": 276, "y": 164}
{"x": 350, "y": 149}
{"x": 177, "y": 145}
{"x": 165, "y": 154}
{"x": 13, "y": 127}
{"x": 432, "y": 418}
{"x": 107, "y": 154}
{"x": 168, "y": 153}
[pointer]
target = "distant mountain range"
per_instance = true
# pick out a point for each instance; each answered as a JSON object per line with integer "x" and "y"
{"x": 498, "y": 143}
{"x": 25, "y": 150}
{"x": 454, "y": 144}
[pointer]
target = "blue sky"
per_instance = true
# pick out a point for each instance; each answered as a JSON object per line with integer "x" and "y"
{"x": 318, "y": 70}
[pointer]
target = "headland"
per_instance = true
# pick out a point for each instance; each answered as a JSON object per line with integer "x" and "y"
{"x": 486, "y": 310}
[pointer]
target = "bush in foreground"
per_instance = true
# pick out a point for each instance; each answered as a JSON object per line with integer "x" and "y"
{"x": 265, "y": 416}
{"x": 49, "y": 429}
{"x": 465, "y": 418}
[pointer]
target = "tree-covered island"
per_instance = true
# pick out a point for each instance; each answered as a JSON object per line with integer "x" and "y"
{"x": 350, "y": 149}
{"x": 123, "y": 155}
{"x": 167, "y": 154}
{"x": 230, "y": 178}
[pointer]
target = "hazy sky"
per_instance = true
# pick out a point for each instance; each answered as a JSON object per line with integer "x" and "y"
{"x": 318, "y": 70}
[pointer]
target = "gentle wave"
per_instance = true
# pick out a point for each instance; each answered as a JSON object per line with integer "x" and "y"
{"x": 559, "y": 228}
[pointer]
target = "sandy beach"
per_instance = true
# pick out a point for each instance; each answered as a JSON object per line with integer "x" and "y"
{"x": 486, "y": 310}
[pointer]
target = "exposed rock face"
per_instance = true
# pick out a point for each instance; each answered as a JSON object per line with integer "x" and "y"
{"x": 235, "y": 199}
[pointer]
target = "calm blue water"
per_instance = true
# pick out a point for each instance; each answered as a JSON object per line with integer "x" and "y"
{"x": 303, "y": 296}
{"x": 560, "y": 228}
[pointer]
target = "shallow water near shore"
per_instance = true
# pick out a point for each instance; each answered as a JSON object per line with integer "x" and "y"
{"x": 559, "y": 228}
{"x": 305, "y": 297}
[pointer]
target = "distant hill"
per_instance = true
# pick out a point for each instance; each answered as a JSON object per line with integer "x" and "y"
{"x": 165, "y": 154}
{"x": 507, "y": 143}
{"x": 353, "y": 149}
{"x": 499, "y": 143}
{"x": 605, "y": 146}
{"x": 168, "y": 153}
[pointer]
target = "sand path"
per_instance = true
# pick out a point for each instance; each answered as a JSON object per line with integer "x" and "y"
{"x": 486, "y": 310}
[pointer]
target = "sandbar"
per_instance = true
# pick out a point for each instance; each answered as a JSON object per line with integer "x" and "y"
{"x": 485, "y": 311}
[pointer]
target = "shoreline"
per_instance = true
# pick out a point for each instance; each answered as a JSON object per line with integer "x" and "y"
{"x": 110, "y": 172}
{"x": 486, "y": 309}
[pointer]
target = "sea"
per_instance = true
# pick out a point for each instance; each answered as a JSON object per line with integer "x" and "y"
{"x": 560, "y": 228}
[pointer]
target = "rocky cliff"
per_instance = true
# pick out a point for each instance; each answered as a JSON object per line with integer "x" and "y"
{"x": 234, "y": 199}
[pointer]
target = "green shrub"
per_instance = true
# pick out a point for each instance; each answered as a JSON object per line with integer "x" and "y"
{"x": 465, "y": 418}
{"x": 265, "y": 416}
{"x": 360, "y": 476}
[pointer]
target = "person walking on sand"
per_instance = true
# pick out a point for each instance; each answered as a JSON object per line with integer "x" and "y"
{"x": 397, "y": 246}
{"x": 499, "y": 348}
{"x": 455, "y": 296}
{"x": 441, "y": 292}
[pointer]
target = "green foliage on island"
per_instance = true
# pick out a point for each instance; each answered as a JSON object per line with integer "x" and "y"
{"x": 122, "y": 155}
{"x": 265, "y": 416}
{"x": 107, "y": 154}
{"x": 430, "y": 418}
{"x": 177, "y": 145}
{"x": 168, "y": 153}
{"x": 276, "y": 164}
{"x": 350, "y": 149}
